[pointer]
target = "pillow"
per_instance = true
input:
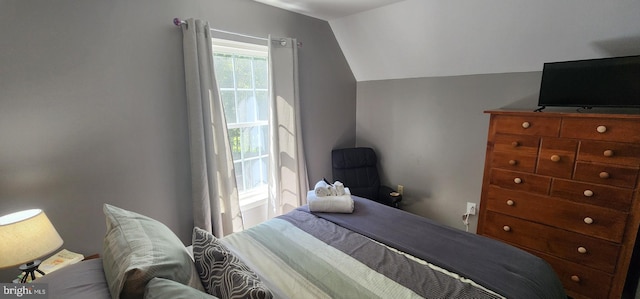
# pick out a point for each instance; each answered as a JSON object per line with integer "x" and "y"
{"x": 160, "y": 288}
{"x": 222, "y": 273}
{"x": 78, "y": 281}
{"x": 137, "y": 249}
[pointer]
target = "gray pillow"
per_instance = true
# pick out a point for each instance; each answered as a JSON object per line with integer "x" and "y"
{"x": 137, "y": 249}
{"x": 160, "y": 288}
{"x": 221, "y": 272}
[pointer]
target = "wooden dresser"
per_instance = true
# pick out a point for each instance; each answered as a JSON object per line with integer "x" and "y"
{"x": 564, "y": 186}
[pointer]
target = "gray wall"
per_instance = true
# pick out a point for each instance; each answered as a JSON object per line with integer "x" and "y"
{"x": 430, "y": 135}
{"x": 92, "y": 106}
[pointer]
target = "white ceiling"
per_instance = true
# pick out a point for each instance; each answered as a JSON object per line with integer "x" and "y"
{"x": 431, "y": 38}
{"x": 328, "y": 9}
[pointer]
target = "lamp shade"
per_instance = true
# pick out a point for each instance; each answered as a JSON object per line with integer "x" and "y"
{"x": 26, "y": 236}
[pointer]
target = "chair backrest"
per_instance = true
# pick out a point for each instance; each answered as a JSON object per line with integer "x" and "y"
{"x": 357, "y": 169}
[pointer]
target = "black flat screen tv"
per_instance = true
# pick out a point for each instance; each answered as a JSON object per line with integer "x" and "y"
{"x": 605, "y": 82}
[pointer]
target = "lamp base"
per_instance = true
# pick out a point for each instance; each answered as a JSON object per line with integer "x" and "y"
{"x": 30, "y": 269}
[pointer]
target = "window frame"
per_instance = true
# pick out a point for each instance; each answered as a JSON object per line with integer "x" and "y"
{"x": 256, "y": 196}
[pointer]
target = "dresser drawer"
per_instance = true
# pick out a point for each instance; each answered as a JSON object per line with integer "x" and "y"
{"x": 578, "y": 248}
{"x": 515, "y": 152}
{"x": 609, "y": 152}
{"x": 606, "y": 196}
{"x": 520, "y": 144}
{"x": 527, "y": 125}
{"x": 513, "y": 161}
{"x": 587, "y": 282}
{"x": 557, "y": 157}
{"x": 606, "y": 174}
{"x": 520, "y": 181}
{"x": 586, "y": 219}
{"x": 624, "y": 130}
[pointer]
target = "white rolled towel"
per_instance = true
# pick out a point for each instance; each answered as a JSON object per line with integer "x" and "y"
{"x": 322, "y": 189}
{"x": 330, "y": 204}
{"x": 339, "y": 186}
{"x": 333, "y": 191}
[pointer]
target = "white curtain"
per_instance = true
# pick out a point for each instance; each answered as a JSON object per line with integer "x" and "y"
{"x": 288, "y": 183}
{"x": 215, "y": 199}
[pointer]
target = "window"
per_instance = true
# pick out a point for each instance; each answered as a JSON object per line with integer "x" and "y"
{"x": 243, "y": 81}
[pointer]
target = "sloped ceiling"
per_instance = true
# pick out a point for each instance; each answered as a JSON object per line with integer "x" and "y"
{"x": 430, "y": 38}
{"x": 328, "y": 9}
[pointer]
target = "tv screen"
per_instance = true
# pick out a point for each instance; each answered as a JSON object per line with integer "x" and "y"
{"x": 606, "y": 82}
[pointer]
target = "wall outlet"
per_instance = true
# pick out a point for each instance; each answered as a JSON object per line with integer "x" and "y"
{"x": 471, "y": 208}
{"x": 401, "y": 189}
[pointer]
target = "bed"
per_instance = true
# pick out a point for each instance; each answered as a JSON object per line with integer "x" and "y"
{"x": 375, "y": 252}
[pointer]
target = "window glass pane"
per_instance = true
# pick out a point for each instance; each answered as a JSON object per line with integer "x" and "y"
{"x": 244, "y": 76}
{"x": 264, "y": 135}
{"x": 224, "y": 70}
{"x": 246, "y": 106}
{"x": 229, "y": 103}
{"x": 264, "y": 163}
{"x": 235, "y": 143}
{"x": 261, "y": 73}
{"x": 239, "y": 171}
{"x": 251, "y": 146}
{"x": 259, "y": 146}
{"x": 262, "y": 101}
{"x": 253, "y": 173}
{"x": 249, "y": 174}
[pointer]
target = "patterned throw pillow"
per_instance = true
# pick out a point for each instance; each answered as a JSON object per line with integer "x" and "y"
{"x": 222, "y": 273}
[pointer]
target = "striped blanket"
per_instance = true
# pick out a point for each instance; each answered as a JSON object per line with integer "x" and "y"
{"x": 302, "y": 255}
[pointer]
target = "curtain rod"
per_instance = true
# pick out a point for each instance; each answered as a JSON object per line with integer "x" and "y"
{"x": 178, "y": 22}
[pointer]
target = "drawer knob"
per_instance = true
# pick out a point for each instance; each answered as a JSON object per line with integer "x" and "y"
{"x": 608, "y": 153}
{"x": 515, "y": 144}
{"x": 513, "y": 162}
{"x": 604, "y": 175}
{"x": 506, "y": 228}
{"x": 517, "y": 180}
{"x": 588, "y": 193}
{"x": 582, "y": 250}
{"x": 526, "y": 124}
{"x": 510, "y": 202}
{"x": 575, "y": 278}
{"x": 555, "y": 158}
{"x": 601, "y": 129}
{"x": 588, "y": 220}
